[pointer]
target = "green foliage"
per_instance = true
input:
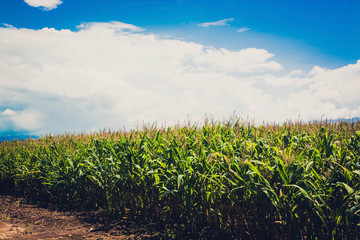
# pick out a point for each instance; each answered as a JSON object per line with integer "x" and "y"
{"x": 296, "y": 180}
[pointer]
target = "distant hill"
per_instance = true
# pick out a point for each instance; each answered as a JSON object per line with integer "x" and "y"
{"x": 354, "y": 119}
{"x": 11, "y": 135}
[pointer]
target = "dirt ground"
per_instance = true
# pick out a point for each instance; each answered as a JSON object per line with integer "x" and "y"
{"x": 19, "y": 220}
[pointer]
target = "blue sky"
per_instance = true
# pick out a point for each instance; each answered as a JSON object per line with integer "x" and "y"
{"x": 195, "y": 57}
{"x": 324, "y": 32}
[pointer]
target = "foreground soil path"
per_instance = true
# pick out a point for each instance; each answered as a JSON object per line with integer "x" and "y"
{"x": 19, "y": 220}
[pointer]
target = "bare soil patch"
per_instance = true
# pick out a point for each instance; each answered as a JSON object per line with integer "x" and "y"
{"x": 20, "y": 220}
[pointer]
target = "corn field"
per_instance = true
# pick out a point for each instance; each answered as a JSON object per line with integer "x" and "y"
{"x": 289, "y": 181}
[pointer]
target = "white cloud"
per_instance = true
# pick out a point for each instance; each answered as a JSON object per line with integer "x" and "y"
{"x": 46, "y": 5}
{"x": 25, "y": 120}
{"x": 246, "y": 60}
{"x": 112, "y": 75}
{"x": 293, "y": 79}
{"x": 223, "y": 22}
{"x": 243, "y": 29}
{"x": 332, "y": 93}
{"x": 113, "y": 25}
{"x": 8, "y": 112}
{"x": 9, "y": 26}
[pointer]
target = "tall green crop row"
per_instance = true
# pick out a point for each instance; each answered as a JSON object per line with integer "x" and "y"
{"x": 293, "y": 180}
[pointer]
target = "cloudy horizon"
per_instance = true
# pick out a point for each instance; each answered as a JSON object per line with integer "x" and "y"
{"x": 116, "y": 74}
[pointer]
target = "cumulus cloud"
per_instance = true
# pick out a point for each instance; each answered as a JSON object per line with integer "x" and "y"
{"x": 223, "y": 22}
{"x": 113, "y": 75}
{"x": 24, "y": 120}
{"x": 243, "y": 29}
{"x": 46, "y": 5}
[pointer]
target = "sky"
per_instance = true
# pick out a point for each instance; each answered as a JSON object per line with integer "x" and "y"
{"x": 89, "y": 65}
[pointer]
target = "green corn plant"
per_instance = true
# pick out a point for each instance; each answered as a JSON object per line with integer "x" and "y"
{"x": 296, "y": 180}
